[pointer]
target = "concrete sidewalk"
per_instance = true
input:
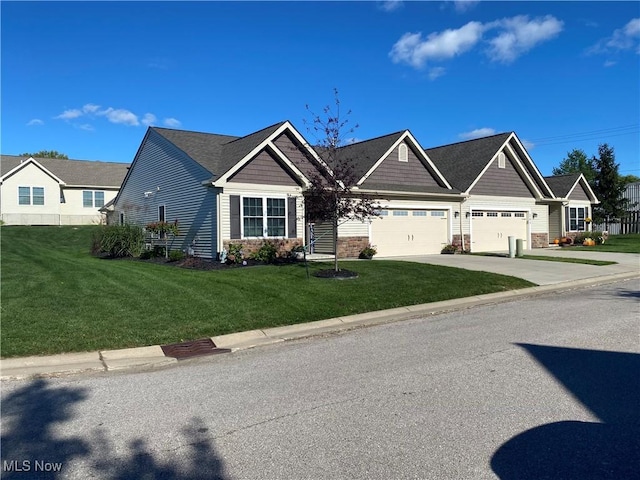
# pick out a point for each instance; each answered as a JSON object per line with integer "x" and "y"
{"x": 551, "y": 276}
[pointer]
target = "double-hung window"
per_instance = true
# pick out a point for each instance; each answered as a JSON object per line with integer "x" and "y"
{"x": 92, "y": 199}
{"x": 264, "y": 217}
{"x": 30, "y": 195}
{"x": 577, "y": 216}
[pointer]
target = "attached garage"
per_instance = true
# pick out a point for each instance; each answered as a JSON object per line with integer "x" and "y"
{"x": 491, "y": 229}
{"x": 410, "y": 231}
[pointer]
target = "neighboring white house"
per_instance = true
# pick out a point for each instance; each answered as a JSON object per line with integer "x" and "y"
{"x": 53, "y": 191}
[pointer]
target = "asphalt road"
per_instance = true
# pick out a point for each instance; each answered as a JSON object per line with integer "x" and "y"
{"x": 544, "y": 387}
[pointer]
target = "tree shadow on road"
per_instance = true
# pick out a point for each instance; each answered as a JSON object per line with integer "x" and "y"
{"x": 31, "y": 446}
{"x": 607, "y": 383}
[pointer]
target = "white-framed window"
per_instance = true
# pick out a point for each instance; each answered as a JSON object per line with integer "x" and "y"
{"x": 577, "y": 216}
{"x": 437, "y": 213}
{"x": 92, "y": 199}
{"x": 492, "y": 214}
{"x": 477, "y": 214}
{"x": 505, "y": 214}
{"x": 400, "y": 213}
{"x": 382, "y": 213}
{"x": 264, "y": 217}
{"x": 403, "y": 153}
{"x": 519, "y": 215}
{"x": 30, "y": 195}
{"x": 419, "y": 213}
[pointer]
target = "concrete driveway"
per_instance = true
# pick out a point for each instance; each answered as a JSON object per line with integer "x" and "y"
{"x": 538, "y": 271}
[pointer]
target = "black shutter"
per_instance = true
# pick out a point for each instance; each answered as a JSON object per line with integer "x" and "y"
{"x": 234, "y": 201}
{"x": 292, "y": 233}
{"x": 567, "y": 220}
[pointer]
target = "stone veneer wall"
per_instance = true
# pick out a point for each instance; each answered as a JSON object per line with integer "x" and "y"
{"x": 467, "y": 242}
{"x": 250, "y": 246}
{"x": 539, "y": 240}
{"x": 350, "y": 247}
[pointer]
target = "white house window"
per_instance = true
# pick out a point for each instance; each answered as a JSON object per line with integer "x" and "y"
{"x": 259, "y": 221}
{"x": 576, "y": 218}
{"x": 437, "y": 213}
{"x": 92, "y": 199}
{"x": 30, "y": 195}
{"x": 403, "y": 153}
{"x": 419, "y": 213}
{"x": 400, "y": 213}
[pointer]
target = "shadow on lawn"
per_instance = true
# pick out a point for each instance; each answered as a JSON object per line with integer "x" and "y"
{"x": 607, "y": 384}
{"x": 32, "y": 448}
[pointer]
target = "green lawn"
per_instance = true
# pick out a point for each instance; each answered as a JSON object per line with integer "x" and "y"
{"x": 618, "y": 243}
{"x": 57, "y": 298}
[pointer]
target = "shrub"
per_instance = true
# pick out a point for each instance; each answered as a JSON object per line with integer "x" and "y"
{"x": 176, "y": 255}
{"x": 267, "y": 253}
{"x": 368, "y": 252}
{"x": 449, "y": 248}
{"x": 119, "y": 241}
{"x": 235, "y": 254}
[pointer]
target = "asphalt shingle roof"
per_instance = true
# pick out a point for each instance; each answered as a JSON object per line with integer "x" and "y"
{"x": 216, "y": 153}
{"x": 461, "y": 163}
{"x": 74, "y": 172}
{"x": 561, "y": 185}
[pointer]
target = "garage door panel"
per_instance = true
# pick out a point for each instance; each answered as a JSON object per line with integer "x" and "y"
{"x": 410, "y": 232}
{"x": 491, "y": 229}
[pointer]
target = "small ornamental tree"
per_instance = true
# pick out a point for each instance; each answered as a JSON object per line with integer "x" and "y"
{"x": 164, "y": 229}
{"x": 330, "y": 197}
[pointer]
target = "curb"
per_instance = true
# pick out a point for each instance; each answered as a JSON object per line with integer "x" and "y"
{"x": 153, "y": 356}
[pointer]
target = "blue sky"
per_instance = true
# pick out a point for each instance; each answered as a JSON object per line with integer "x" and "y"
{"x": 87, "y": 78}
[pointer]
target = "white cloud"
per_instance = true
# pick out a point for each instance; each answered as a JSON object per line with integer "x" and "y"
{"x": 90, "y": 108}
{"x": 415, "y": 51}
{"x": 436, "y": 72}
{"x": 477, "y": 133}
{"x": 69, "y": 114}
{"x": 34, "y": 122}
{"x": 609, "y": 63}
{"x": 172, "y": 122}
{"x": 120, "y": 115}
{"x": 515, "y": 36}
{"x": 528, "y": 144}
{"x": 520, "y": 35}
{"x": 390, "y": 5}
{"x": 625, "y": 38}
{"x": 148, "y": 119}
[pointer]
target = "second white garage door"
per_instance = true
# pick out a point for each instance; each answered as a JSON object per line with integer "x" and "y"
{"x": 491, "y": 229}
{"x": 410, "y": 232}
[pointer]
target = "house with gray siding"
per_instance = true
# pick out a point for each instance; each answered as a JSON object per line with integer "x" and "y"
{"x": 220, "y": 189}
{"x": 225, "y": 189}
{"x": 504, "y": 193}
{"x": 572, "y": 211}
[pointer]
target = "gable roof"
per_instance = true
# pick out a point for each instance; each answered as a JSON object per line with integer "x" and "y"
{"x": 366, "y": 156}
{"x": 563, "y": 185}
{"x": 79, "y": 173}
{"x": 217, "y": 153}
{"x": 461, "y": 163}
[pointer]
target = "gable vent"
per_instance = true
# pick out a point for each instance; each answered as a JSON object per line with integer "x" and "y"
{"x": 403, "y": 153}
{"x": 502, "y": 160}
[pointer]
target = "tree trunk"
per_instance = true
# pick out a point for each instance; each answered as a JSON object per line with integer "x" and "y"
{"x": 335, "y": 243}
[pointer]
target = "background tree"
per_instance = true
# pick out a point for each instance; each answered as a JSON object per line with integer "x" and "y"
{"x": 577, "y": 162}
{"x": 608, "y": 187}
{"x": 626, "y": 179}
{"x": 46, "y": 154}
{"x": 330, "y": 197}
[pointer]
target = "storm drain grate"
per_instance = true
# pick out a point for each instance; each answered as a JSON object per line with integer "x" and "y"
{"x": 195, "y": 348}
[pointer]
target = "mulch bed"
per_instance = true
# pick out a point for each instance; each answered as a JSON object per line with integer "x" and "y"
{"x": 338, "y": 275}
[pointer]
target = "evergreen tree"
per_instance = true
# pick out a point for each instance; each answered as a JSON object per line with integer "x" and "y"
{"x": 577, "y": 162}
{"x": 608, "y": 187}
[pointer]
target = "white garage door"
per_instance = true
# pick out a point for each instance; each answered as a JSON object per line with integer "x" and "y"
{"x": 410, "y": 232}
{"x": 491, "y": 229}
